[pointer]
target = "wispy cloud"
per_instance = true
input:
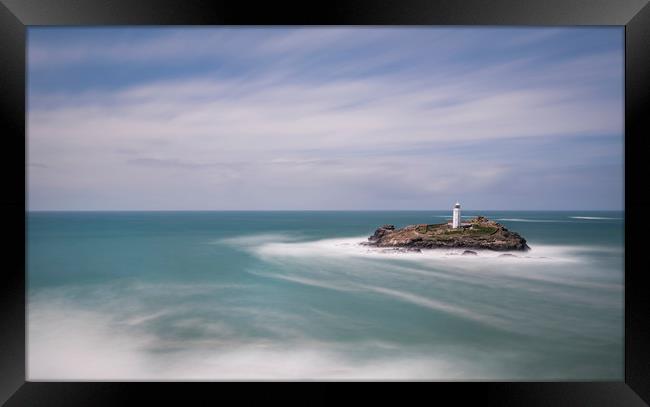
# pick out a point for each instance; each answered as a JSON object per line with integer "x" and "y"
{"x": 315, "y": 115}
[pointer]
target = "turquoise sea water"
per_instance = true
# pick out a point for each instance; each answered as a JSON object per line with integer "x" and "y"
{"x": 291, "y": 295}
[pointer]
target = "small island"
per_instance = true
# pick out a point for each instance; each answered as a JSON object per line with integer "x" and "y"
{"x": 477, "y": 233}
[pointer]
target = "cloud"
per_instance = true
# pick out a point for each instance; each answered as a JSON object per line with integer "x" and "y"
{"x": 282, "y": 136}
{"x": 167, "y": 163}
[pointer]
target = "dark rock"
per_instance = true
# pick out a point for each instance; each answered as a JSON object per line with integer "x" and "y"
{"x": 469, "y": 253}
{"x": 379, "y": 233}
{"x": 507, "y": 255}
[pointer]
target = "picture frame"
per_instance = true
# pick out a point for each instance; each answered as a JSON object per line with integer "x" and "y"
{"x": 17, "y": 15}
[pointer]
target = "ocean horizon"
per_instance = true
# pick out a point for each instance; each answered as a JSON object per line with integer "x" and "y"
{"x": 228, "y": 295}
{"x": 619, "y": 211}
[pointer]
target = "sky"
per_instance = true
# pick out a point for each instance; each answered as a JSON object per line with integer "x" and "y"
{"x": 325, "y": 118}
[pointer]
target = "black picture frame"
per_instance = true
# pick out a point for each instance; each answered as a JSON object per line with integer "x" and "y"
{"x": 17, "y": 15}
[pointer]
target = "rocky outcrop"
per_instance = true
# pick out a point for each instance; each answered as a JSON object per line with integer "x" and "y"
{"x": 477, "y": 233}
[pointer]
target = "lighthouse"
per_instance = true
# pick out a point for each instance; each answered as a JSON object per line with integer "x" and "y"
{"x": 455, "y": 223}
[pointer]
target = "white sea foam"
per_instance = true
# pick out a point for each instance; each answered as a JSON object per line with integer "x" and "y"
{"x": 594, "y": 218}
{"x": 256, "y": 239}
{"x": 69, "y": 343}
{"x": 352, "y": 247}
{"x": 438, "y": 305}
{"x": 532, "y": 220}
{"x": 140, "y": 331}
{"x": 312, "y": 282}
{"x": 346, "y": 265}
{"x": 341, "y": 283}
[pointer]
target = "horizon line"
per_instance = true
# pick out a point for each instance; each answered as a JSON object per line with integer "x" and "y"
{"x": 317, "y": 210}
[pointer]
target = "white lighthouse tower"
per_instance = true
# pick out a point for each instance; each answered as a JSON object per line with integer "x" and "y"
{"x": 455, "y": 223}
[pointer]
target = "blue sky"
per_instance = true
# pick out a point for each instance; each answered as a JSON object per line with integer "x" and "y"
{"x": 325, "y": 118}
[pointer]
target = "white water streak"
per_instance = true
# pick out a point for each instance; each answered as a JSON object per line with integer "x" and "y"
{"x": 594, "y": 218}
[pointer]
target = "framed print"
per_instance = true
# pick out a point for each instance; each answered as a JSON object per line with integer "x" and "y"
{"x": 438, "y": 193}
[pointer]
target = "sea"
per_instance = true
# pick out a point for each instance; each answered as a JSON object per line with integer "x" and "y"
{"x": 292, "y": 295}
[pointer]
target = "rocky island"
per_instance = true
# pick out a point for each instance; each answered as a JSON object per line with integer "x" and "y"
{"x": 477, "y": 233}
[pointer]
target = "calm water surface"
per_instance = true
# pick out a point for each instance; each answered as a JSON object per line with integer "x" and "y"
{"x": 274, "y": 295}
